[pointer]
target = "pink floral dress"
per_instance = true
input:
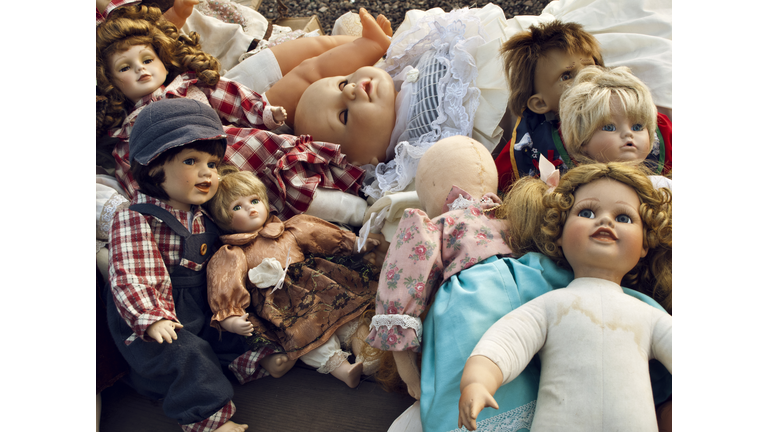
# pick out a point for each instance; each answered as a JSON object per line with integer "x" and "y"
{"x": 423, "y": 254}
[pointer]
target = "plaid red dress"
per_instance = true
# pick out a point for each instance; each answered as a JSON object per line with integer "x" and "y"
{"x": 291, "y": 167}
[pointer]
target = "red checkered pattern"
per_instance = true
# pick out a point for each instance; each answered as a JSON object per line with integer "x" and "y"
{"x": 246, "y": 368}
{"x": 140, "y": 248}
{"x": 110, "y": 7}
{"x": 291, "y": 167}
{"x": 213, "y": 422}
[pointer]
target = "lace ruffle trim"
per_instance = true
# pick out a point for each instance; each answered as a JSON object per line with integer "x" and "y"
{"x": 335, "y": 360}
{"x": 404, "y": 321}
{"x": 510, "y": 421}
{"x": 111, "y": 206}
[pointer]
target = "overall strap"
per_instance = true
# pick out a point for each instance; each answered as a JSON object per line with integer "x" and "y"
{"x": 164, "y": 215}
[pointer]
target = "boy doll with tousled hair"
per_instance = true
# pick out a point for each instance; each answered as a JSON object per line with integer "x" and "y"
{"x": 541, "y": 63}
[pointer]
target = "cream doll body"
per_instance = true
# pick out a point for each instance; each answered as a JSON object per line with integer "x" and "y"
{"x": 594, "y": 342}
{"x": 597, "y": 335}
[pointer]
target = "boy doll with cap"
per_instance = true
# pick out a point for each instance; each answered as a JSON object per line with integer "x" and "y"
{"x": 158, "y": 312}
{"x": 541, "y": 64}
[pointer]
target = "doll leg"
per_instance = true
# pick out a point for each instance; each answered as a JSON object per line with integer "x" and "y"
{"x": 352, "y": 337}
{"x": 277, "y": 364}
{"x": 329, "y": 358}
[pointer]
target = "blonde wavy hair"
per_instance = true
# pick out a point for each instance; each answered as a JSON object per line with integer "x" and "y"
{"x": 586, "y": 105}
{"x": 233, "y": 184}
{"x": 536, "y": 218}
{"x": 133, "y": 25}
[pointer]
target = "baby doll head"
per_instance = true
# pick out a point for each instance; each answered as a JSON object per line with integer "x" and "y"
{"x": 539, "y": 218}
{"x": 455, "y": 161}
{"x": 175, "y": 148}
{"x": 241, "y": 203}
{"x": 608, "y": 115}
{"x": 137, "y": 51}
{"x": 357, "y": 112}
{"x": 542, "y": 61}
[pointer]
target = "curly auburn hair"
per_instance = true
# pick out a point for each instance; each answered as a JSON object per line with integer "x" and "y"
{"x": 133, "y": 25}
{"x": 522, "y": 51}
{"x": 536, "y": 219}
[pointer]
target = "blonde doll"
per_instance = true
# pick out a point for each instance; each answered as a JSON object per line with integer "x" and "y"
{"x": 608, "y": 115}
{"x": 610, "y": 226}
{"x": 142, "y": 58}
{"x": 289, "y": 286}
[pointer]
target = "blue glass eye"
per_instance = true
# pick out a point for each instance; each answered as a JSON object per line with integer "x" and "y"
{"x": 212, "y": 165}
{"x": 623, "y": 219}
{"x": 586, "y": 213}
{"x": 189, "y": 161}
{"x": 609, "y": 127}
{"x": 637, "y": 127}
{"x": 566, "y": 76}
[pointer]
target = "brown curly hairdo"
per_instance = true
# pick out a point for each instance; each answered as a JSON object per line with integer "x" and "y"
{"x": 142, "y": 25}
{"x": 536, "y": 219}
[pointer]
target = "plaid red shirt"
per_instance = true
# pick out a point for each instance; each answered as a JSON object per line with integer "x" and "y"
{"x": 291, "y": 167}
{"x": 110, "y": 7}
{"x": 142, "y": 248}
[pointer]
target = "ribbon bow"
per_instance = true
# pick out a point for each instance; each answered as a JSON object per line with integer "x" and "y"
{"x": 549, "y": 174}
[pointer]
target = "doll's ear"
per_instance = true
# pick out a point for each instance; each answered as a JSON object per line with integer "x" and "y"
{"x": 537, "y": 104}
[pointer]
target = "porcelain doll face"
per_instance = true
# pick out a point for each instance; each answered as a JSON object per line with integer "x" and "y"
{"x": 357, "y": 112}
{"x": 249, "y": 213}
{"x": 621, "y": 139}
{"x": 191, "y": 177}
{"x": 555, "y": 71}
{"x": 137, "y": 72}
{"x": 603, "y": 234}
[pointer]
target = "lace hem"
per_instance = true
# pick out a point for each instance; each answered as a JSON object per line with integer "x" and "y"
{"x": 404, "y": 321}
{"x": 509, "y": 421}
{"x": 335, "y": 360}
{"x": 445, "y": 41}
{"x": 111, "y": 206}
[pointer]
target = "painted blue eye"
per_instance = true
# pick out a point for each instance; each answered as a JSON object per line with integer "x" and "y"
{"x": 609, "y": 127}
{"x": 566, "y": 76}
{"x": 148, "y": 61}
{"x": 189, "y": 161}
{"x": 586, "y": 213}
{"x": 637, "y": 127}
{"x": 623, "y": 219}
{"x": 123, "y": 69}
{"x": 212, "y": 165}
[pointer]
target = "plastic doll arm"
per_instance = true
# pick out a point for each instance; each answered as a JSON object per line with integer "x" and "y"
{"x": 227, "y": 293}
{"x": 479, "y": 382}
{"x": 370, "y": 244}
{"x": 163, "y": 330}
{"x": 341, "y": 60}
{"x": 377, "y": 256}
{"x": 180, "y": 11}
{"x": 238, "y": 325}
{"x": 409, "y": 371}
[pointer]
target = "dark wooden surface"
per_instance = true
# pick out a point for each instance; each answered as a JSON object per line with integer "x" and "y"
{"x": 303, "y": 400}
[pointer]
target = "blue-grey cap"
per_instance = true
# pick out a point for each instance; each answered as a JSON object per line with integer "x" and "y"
{"x": 170, "y": 123}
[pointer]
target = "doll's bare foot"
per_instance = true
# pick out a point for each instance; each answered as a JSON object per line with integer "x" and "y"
{"x": 277, "y": 364}
{"x": 232, "y": 427}
{"x": 349, "y": 373}
{"x": 385, "y": 25}
{"x": 372, "y": 29}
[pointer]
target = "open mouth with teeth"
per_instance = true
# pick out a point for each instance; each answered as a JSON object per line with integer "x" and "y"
{"x": 203, "y": 187}
{"x": 604, "y": 234}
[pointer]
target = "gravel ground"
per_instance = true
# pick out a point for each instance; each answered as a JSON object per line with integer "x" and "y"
{"x": 328, "y": 10}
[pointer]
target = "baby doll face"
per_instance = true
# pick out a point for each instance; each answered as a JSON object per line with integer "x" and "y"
{"x": 555, "y": 71}
{"x": 191, "y": 177}
{"x": 619, "y": 140}
{"x": 357, "y": 112}
{"x": 603, "y": 234}
{"x": 249, "y": 213}
{"x": 137, "y": 72}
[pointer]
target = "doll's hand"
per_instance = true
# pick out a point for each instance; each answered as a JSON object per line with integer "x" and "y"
{"x": 474, "y": 398}
{"x": 164, "y": 330}
{"x": 493, "y": 197}
{"x": 278, "y": 114}
{"x": 377, "y": 255}
{"x": 180, "y": 11}
{"x": 238, "y": 325}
